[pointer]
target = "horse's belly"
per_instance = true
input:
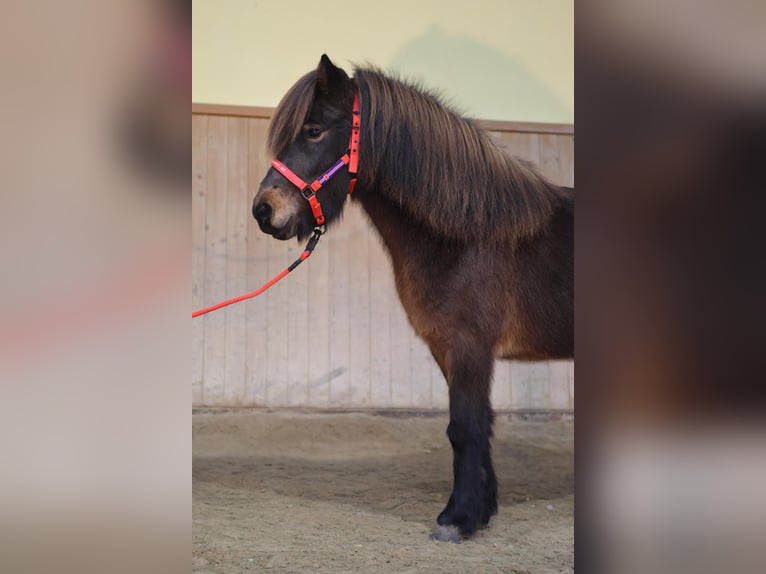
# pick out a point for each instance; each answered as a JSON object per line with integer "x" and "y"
{"x": 515, "y": 341}
{"x": 508, "y": 348}
{"x": 512, "y": 346}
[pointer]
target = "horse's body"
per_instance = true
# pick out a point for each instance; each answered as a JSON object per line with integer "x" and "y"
{"x": 481, "y": 244}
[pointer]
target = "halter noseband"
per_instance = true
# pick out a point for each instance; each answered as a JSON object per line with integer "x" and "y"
{"x": 350, "y": 158}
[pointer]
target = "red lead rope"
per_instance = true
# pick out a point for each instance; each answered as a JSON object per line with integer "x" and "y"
{"x": 351, "y": 159}
{"x": 305, "y": 255}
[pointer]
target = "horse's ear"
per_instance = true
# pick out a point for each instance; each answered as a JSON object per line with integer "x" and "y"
{"x": 330, "y": 78}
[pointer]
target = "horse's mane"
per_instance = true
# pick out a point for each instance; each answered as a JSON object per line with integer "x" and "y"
{"x": 439, "y": 167}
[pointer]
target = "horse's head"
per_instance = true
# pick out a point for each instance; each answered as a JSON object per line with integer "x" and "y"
{"x": 309, "y": 132}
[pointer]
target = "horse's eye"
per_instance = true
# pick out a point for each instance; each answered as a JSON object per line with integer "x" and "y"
{"x": 313, "y": 133}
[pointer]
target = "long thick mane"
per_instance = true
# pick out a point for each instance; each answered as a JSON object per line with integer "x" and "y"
{"x": 443, "y": 169}
{"x": 439, "y": 167}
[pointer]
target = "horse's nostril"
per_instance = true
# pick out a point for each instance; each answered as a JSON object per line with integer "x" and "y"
{"x": 262, "y": 212}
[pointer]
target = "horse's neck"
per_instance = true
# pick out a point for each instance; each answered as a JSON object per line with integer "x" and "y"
{"x": 387, "y": 220}
{"x": 398, "y": 231}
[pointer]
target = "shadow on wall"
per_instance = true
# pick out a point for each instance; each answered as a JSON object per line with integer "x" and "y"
{"x": 492, "y": 85}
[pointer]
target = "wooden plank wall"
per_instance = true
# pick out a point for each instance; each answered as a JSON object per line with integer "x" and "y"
{"x": 352, "y": 347}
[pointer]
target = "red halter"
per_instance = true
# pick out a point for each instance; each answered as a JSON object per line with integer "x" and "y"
{"x": 350, "y": 158}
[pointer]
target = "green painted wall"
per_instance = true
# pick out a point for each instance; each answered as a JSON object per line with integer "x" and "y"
{"x": 494, "y": 59}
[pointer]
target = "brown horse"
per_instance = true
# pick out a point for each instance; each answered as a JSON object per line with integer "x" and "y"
{"x": 481, "y": 244}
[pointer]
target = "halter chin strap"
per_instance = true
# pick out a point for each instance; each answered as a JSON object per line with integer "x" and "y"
{"x": 350, "y": 158}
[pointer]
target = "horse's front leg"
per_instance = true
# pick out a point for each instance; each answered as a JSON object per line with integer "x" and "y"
{"x": 474, "y": 494}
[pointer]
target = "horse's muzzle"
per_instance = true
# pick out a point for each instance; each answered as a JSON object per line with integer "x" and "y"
{"x": 262, "y": 212}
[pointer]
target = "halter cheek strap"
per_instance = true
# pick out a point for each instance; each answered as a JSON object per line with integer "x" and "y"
{"x": 350, "y": 159}
{"x": 309, "y": 191}
{"x": 353, "y": 145}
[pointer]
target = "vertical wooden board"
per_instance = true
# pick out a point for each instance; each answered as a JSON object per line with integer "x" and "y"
{"x": 523, "y": 145}
{"x": 338, "y": 243}
{"x": 571, "y": 374}
{"x": 359, "y": 303}
{"x": 199, "y": 181}
{"x": 215, "y": 260}
{"x": 257, "y": 326}
{"x": 549, "y": 158}
{"x": 382, "y": 298}
{"x": 297, "y": 313}
{"x": 539, "y": 380}
{"x": 401, "y": 391}
{"x": 559, "y": 385}
{"x": 420, "y": 372}
{"x": 197, "y": 393}
{"x": 520, "y": 379}
{"x": 280, "y": 254}
{"x": 439, "y": 388}
{"x": 257, "y": 330}
{"x": 566, "y": 159}
{"x": 512, "y": 397}
{"x": 501, "y": 385}
{"x": 320, "y": 338}
{"x": 236, "y": 259}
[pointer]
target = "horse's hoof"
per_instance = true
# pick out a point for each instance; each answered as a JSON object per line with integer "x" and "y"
{"x": 446, "y": 534}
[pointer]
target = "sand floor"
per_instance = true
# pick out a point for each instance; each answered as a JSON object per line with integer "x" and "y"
{"x": 296, "y": 492}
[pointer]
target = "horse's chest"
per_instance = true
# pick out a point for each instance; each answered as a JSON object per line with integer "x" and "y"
{"x": 420, "y": 309}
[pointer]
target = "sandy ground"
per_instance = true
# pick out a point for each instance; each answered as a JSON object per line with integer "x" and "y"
{"x": 315, "y": 493}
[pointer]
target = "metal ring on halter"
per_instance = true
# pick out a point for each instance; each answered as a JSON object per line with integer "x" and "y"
{"x": 314, "y": 239}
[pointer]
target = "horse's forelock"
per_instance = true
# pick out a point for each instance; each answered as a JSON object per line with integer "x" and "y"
{"x": 291, "y": 113}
